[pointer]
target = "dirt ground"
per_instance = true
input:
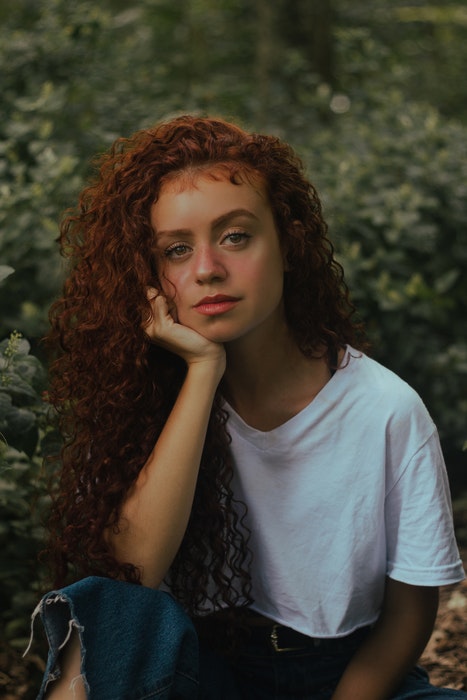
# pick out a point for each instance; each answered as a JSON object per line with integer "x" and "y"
{"x": 445, "y": 657}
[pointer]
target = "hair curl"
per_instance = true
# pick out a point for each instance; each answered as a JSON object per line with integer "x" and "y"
{"x": 113, "y": 390}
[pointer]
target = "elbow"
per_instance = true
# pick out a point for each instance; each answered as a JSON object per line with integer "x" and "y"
{"x": 134, "y": 564}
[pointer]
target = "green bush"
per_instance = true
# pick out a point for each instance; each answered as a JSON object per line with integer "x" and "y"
{"x": 23, "y": 494}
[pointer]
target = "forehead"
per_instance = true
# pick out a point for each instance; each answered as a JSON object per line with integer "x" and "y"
{"x": 207, "y": 193}
{"x": 188, "y": 178}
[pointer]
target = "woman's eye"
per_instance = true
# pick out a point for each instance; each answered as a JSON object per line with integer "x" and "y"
{"x": 176, "y": 251}
{"x": 236, "y": 237}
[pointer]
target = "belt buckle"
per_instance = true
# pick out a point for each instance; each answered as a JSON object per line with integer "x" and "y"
{"x": 274, "y": 637}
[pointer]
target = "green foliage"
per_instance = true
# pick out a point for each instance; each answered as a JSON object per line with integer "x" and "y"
{"x": 418, "y": 48}
{"x": 39, "y": 168}
{"x": 21, "y": 377}
{"x": 23, "y": 497}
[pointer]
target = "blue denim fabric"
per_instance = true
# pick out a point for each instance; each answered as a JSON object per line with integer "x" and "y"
{"x": 417, "y": 686}
{"x": 296, "y": 676}
{"x": 136, "y": 642}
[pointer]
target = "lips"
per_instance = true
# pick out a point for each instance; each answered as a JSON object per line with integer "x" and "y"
{"x": 215, "y": 305}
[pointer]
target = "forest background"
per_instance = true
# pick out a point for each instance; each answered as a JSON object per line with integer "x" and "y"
{"x": 372, "y": 95}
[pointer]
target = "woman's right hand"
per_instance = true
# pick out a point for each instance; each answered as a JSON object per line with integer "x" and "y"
{"x": 156, "y": 509}
{"x": 162, "y": 329}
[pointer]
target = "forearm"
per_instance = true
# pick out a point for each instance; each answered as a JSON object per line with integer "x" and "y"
{"x": 156, "y": 510}
{"x": 393, "y": 646}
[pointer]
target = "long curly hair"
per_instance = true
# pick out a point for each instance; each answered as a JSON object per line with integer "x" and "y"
{"x": 113, "y": 390}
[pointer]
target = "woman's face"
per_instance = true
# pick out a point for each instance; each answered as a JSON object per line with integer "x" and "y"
{"x": 219, "y": 258}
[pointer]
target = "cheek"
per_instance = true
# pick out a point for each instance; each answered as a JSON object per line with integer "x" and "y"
{"x": 268, "y": 275}
{"x": 174, "y": 284}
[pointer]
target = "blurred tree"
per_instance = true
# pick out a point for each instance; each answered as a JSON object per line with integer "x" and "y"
{"x": 309, "y": 27}
{"x": 420, "y": 48}
{"x": 265, "y": 57}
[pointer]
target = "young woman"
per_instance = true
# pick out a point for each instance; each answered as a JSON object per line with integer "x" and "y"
{"x": 228, "y": 440}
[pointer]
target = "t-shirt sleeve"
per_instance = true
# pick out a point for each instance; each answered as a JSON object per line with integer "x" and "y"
{"x": 421, "y": 545}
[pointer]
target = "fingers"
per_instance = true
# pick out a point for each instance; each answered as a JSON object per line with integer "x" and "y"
{"x": 161, "y": 318}
{"x": 163, "y": 329}
{"x": 159, "y": 305}
{"x": 158, "y": 311}
{"x": 152, "y": 293}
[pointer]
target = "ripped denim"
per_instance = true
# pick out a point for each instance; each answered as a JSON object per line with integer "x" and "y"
{"x": 138, "y": 643}
{"x": 121, "y": 658}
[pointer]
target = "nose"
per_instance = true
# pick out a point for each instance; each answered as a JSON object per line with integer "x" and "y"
{"x": 208, "y": 265}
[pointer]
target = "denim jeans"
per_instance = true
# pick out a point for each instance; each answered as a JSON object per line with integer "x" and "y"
{"x": 138, "y": 643}
{"x": 296, "y": 676}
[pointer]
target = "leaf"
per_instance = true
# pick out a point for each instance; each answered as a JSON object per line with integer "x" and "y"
{"x": 5, "y": 405}
{"x": 445, "y": 282}
{"x": 5, "y": 271}
{"x": 20, "y": 420}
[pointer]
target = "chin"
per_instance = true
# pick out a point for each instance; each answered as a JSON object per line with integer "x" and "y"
{"x": 217, "y": 331}
{"x": 220, "y": 337}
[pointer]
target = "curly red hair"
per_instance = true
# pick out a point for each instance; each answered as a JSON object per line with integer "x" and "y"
{"x": 113, "y": 390}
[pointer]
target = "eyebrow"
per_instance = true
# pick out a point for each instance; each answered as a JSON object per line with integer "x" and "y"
{"x": 218, "y": 221}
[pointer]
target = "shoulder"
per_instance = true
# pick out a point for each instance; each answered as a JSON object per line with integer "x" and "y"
{"x": 372, "y": 380}
{"x": 383, "y": 398}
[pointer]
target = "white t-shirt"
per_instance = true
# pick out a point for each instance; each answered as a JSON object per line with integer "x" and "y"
{"x": 350, "y": 490}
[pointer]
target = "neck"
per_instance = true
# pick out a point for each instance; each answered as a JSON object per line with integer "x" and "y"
{"x": 269, "y": 382}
